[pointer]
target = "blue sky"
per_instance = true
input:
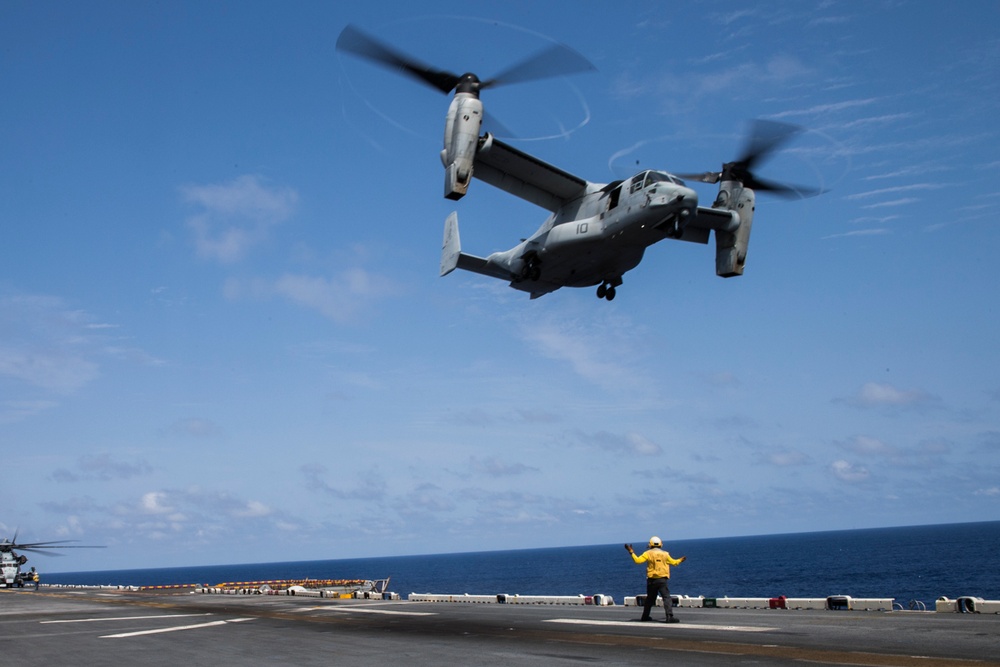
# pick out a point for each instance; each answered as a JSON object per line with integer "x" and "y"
{"x": 223, "y": 337}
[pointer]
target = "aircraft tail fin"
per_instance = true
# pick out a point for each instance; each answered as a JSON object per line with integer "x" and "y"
{"x": 453, "y": 258}
{"x": 451, "y": 248}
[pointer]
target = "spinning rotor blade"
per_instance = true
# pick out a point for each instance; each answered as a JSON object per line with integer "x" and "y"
{"x": 556, "y": 60}
{"x": 354, "y": 41}
{"x": 40, "y": 551}
{"x": 765, "y": 138}
{"x": 781, "y": 189}
{"x": 43, "y": 547}
{"x": 706, "y": 177}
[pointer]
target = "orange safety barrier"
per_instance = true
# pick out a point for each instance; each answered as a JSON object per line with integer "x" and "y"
{"x": 288, "y": 583}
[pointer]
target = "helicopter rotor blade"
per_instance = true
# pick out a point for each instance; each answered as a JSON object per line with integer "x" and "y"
{"x": 765, "y": 137}
{"x": 706, "y": 177}
{"x": 44, "y": 547}
{"x": 555, "y": 60}
{"x": 353, "y": 40}
{"x": 49, "y": 545}
{"x": 43, "y": 552}
{"x": 786, "y": 190}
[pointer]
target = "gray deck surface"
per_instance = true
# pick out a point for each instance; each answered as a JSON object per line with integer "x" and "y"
{"x": 64, "y": 627}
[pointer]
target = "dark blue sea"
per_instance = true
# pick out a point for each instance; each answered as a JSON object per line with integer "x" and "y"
{"x": 906, "y": 563}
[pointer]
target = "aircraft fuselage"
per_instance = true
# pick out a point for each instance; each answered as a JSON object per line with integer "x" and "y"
{"x": 598, "y": 237}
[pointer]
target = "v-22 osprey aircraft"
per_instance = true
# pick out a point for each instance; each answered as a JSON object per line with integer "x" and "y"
{"x": 595, "y": 232}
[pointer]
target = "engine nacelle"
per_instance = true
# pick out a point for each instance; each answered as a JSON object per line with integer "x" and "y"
{"x": 461, "y": 135}
{"x": 731, "y": 247}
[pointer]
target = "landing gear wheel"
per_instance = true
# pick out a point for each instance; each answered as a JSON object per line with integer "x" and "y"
{"x": 531, "y": 270}
{"x": 606, "y": 290}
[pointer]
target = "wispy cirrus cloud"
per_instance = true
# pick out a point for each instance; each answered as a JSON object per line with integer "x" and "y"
{"x": 897, "y": 189}
{"x": 831, "y": 107}
{"x": 48, "y": 345}
{"x": 879, "y": 231}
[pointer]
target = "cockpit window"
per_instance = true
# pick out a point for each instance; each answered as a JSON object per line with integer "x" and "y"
{"x": 644, "y": 180}
{"x": 654, "y": 177}
{"x": 637, "y": 184}
{"x": 659, "y": 176}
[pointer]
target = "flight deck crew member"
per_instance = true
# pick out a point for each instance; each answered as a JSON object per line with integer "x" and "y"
{"x": 658, "y": 564}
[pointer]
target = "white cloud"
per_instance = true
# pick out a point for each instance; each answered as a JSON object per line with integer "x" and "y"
{"x": 876, "y": 394}
{"x": 49, "y": 368}
{"x": 15, "y": 411}
{"x": 493, "y": 467}
{"x": 868, "y": 446}
{"x": 368, "y": 487}
{"x": 50, "y": 346}
{"x": 252, "y": 508}
{"x": 236, "y": 216}
{"x": 785, "y": 458}
{"x": 339, "y": 299}
{"x": 630, "y": 443}
{"x": 586, "y": 351}
{"x": 201, "y": 428}
{"x": 849, "y": 472}
{"x": 102, "y": 467}
{"x": 153, "y": 503}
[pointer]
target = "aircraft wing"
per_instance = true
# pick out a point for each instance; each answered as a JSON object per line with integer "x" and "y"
{"x": 714, "y": 218}
{"x": 704, "y": 220}
{"x": 525, "y": 176}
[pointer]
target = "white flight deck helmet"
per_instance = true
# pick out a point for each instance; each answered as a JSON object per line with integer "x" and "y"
{"x": 655, "y": 542}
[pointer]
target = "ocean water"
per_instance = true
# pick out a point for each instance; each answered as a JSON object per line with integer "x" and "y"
{"x": 906, "y": 563}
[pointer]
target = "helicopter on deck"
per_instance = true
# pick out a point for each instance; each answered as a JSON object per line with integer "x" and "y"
{"x": 11, "y": 561}
{"x": 595, "y": 232}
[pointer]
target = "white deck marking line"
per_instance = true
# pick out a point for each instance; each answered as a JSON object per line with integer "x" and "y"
{"x": 174, "y": 629}
{"x": 634, "y": 624}
{"x": 122, "y": 618}
{"x": 359, "y": 610}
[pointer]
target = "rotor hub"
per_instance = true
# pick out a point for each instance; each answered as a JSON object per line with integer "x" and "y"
{"x": 469, "y": 83}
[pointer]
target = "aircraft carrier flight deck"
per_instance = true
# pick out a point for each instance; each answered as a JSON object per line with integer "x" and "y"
{"x": 93, "y": 626}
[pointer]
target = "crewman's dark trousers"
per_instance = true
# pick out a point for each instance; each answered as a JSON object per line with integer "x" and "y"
{"x": 658, "y": 586}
